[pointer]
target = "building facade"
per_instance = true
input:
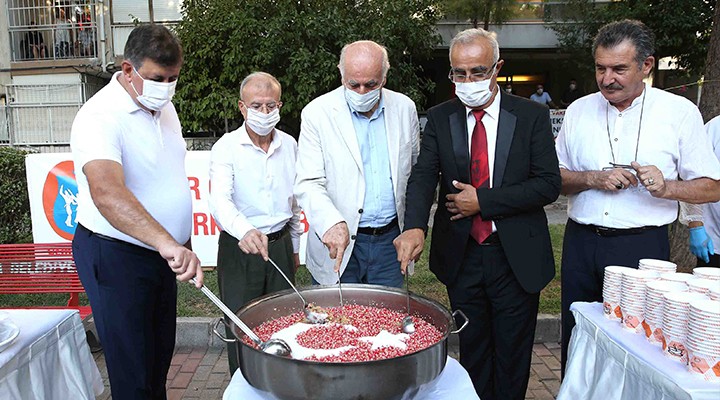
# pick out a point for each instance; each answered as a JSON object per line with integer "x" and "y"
{"x": 55, "y": 54}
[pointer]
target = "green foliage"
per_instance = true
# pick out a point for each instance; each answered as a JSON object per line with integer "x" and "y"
{"x": 15, "y": 226}
{"x": 682, "y": 27}
{"x": 297, "y": 41}
{"x": 482, "y": 12}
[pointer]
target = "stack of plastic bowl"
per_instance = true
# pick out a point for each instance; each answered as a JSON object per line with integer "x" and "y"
{"x": 701, "y": 285}
{"x": 612, "y": 288}
{"x": 676, "y": 310}
{"x": 677, "y": 277}
{"x": 632, "y": 297}
{"x": 703, "y": 339}
{"x": 652, "y": 324}
{"x": 714, "y": 293}
{"x": 711, "y": 273}
{"x": 661, "y": 266}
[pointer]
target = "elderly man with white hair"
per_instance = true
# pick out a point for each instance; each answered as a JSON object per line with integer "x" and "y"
{"x": 357, "y": 146}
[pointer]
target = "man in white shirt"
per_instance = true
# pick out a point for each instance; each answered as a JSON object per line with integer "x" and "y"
{"x": 622, "y": 152}
{"x": 134, "y": 213}
{"x": 704, "y": 220}
{"x": 252, "y": 170}
{"x": 357, "y": 146}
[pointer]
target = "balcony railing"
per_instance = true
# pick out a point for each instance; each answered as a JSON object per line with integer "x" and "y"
{"x": 42, "y": 31}
{"x": 43, "y": 114}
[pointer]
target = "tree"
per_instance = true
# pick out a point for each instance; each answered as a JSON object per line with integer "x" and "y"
{"x": 682, "y": 27}
{"x": 709, "y": 107}
{"x": 299, "y": 42}
{"x": 710, "y": 99}
{"x": 485, "y": 11}
{"x": 15, "y": 225}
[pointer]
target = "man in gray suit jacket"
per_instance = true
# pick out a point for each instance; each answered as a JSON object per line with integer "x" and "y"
{"x": 494, "y": 157}
{"x": 356, "y": 149}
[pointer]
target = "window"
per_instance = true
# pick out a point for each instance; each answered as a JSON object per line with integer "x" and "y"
{"x": 129, "y": 11}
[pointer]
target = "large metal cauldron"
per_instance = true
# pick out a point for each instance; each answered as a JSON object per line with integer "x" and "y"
{"x": 290, "y": 379}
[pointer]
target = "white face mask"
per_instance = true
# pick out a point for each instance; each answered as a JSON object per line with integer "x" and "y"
{"x": 362, "y": 102}
{"x": 474, "y": 94}
{"x": 155, "y": 94}
{"x": 262, "y": 123}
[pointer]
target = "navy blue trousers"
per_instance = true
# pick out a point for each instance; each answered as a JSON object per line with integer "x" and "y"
{"x": 585, "y": 256}
{"x": 133, "y": 295}
{"x": 496, "y": 345}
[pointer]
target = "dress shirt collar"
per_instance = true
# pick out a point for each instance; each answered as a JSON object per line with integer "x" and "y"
{"x": 125, "y": 101}
{"x": 493, "y": 110}
{"x": 244, "y": 139}
{"x": 376, "y": 113}
{"x": 635, "y": 103}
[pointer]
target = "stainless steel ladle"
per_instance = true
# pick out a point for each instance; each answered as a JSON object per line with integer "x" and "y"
{"x": 276, "y": 347}
{"x": 408, "y": 326}
{"x": 340, "y": 289}
{"x": 313, "y": 317}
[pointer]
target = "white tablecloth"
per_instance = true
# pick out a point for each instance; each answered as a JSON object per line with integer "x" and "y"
{"x": 606, "y": 362}
{"x": 453, "y": 383}
{"x": 50, "y": 358}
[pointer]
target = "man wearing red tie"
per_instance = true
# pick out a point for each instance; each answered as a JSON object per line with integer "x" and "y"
{"x": 494, "y": 157}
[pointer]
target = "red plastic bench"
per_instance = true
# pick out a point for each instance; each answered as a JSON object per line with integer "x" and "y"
{"x": 41, "y": 268}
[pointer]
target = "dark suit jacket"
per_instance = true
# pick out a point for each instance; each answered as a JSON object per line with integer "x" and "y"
{"x": 526, "y": 177}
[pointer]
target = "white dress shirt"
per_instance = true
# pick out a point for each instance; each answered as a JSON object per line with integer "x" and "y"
{"x": 252, "y": 189}
{"x": 671, "y": 137}
{"x": 490, "y": 120}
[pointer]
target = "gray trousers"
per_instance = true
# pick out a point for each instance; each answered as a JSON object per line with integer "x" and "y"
{"x": 243, "y": 277}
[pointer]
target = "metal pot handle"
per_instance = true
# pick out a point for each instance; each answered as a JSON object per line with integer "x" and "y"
{"x": 462, "y": 314}
{"x": 218, "y": 334}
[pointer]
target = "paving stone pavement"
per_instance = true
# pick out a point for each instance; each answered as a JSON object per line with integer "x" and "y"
{"x": 202, "y": 373}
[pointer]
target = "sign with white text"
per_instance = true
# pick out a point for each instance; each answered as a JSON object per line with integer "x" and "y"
{"x": 556, "y": 120}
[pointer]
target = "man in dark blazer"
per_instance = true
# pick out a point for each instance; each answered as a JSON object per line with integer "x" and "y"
{"x": 490, "y": 241}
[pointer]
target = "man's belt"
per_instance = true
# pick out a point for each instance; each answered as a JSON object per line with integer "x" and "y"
{"x": 105, "y": 237}
{"x": 605, "y": 231}
{"x": 274, "y": 236}
{"x": 380, "y": 230}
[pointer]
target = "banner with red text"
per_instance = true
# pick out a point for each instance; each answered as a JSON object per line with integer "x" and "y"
{"x": 52, "y": 190}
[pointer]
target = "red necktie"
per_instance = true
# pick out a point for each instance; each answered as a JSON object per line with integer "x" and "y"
{"x": 479, "y": 173}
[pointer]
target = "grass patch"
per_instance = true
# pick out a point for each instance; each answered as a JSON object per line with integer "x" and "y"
{"x": 193, "y": 303}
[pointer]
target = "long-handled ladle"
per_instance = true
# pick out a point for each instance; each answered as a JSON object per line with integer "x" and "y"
{"x": 277, "y": 347}
{"x": 340, "y": 289}
{"x": 313, "y": 317}
{"x": 408, "y": 326}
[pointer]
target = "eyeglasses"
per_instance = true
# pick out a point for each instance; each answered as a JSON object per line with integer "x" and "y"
{"x": 270, "y": 107}
{"x": 481, "y": 73}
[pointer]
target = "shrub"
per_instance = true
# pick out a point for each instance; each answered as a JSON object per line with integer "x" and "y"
{"x": 15, "y": 225}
